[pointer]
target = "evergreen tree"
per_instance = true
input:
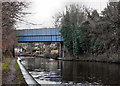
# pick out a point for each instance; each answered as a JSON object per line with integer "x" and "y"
{"x": 66, "y": 32}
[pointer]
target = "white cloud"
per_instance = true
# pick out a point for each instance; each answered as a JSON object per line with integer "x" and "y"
{"x": 43, "y": 10}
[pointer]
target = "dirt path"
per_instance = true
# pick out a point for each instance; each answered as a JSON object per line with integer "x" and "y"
{"x": 10, "y": 77}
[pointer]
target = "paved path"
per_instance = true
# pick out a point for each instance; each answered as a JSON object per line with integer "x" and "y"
{"x": 10, "y": 77}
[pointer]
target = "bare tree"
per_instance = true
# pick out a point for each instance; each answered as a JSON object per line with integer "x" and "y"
{"x": 11, "y": 11}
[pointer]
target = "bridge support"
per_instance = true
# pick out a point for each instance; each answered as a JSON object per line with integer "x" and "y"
{"x": 61, "y": 49}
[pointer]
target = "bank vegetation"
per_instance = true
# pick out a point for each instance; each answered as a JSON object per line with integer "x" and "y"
{"x": 88, "y": 35}
{"x": 11, "y": 12}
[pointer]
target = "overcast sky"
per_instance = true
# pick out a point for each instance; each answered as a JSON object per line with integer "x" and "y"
{"x": 43, "y": 11}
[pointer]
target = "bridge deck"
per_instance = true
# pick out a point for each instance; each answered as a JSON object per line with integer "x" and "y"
{"x": 39, "y": 35}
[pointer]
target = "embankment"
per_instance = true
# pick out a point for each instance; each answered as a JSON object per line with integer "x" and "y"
{"x": 111, "y": 58}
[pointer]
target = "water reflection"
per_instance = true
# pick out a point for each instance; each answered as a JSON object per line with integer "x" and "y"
{"x": 101, "y": 73}
{"x": 73, "y": 72}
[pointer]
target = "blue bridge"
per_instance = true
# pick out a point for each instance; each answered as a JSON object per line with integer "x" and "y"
{"x": 39, "y": 35}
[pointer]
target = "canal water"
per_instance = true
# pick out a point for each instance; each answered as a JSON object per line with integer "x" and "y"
{"x": 49, "y": 71}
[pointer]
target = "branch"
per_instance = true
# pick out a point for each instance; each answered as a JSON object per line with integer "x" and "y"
{"x": 27, "y": 21}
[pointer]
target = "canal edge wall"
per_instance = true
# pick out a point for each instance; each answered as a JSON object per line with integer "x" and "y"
{"x": 28, "y": 78}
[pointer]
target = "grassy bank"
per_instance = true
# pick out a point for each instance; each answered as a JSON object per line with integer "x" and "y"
{"x": 6, "y": 62}
{"x": 6, "y": 71}
{"x": 20, "y": 77}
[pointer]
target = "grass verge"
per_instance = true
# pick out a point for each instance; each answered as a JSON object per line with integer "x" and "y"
{"x": 20, "y": 77}
{"x": 6, "y": 62}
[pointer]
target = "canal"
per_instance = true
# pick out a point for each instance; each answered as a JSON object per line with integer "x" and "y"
{"x": 49, "y": 71}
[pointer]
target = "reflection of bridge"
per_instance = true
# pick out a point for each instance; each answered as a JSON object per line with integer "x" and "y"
{"x": 40, "y": 35}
